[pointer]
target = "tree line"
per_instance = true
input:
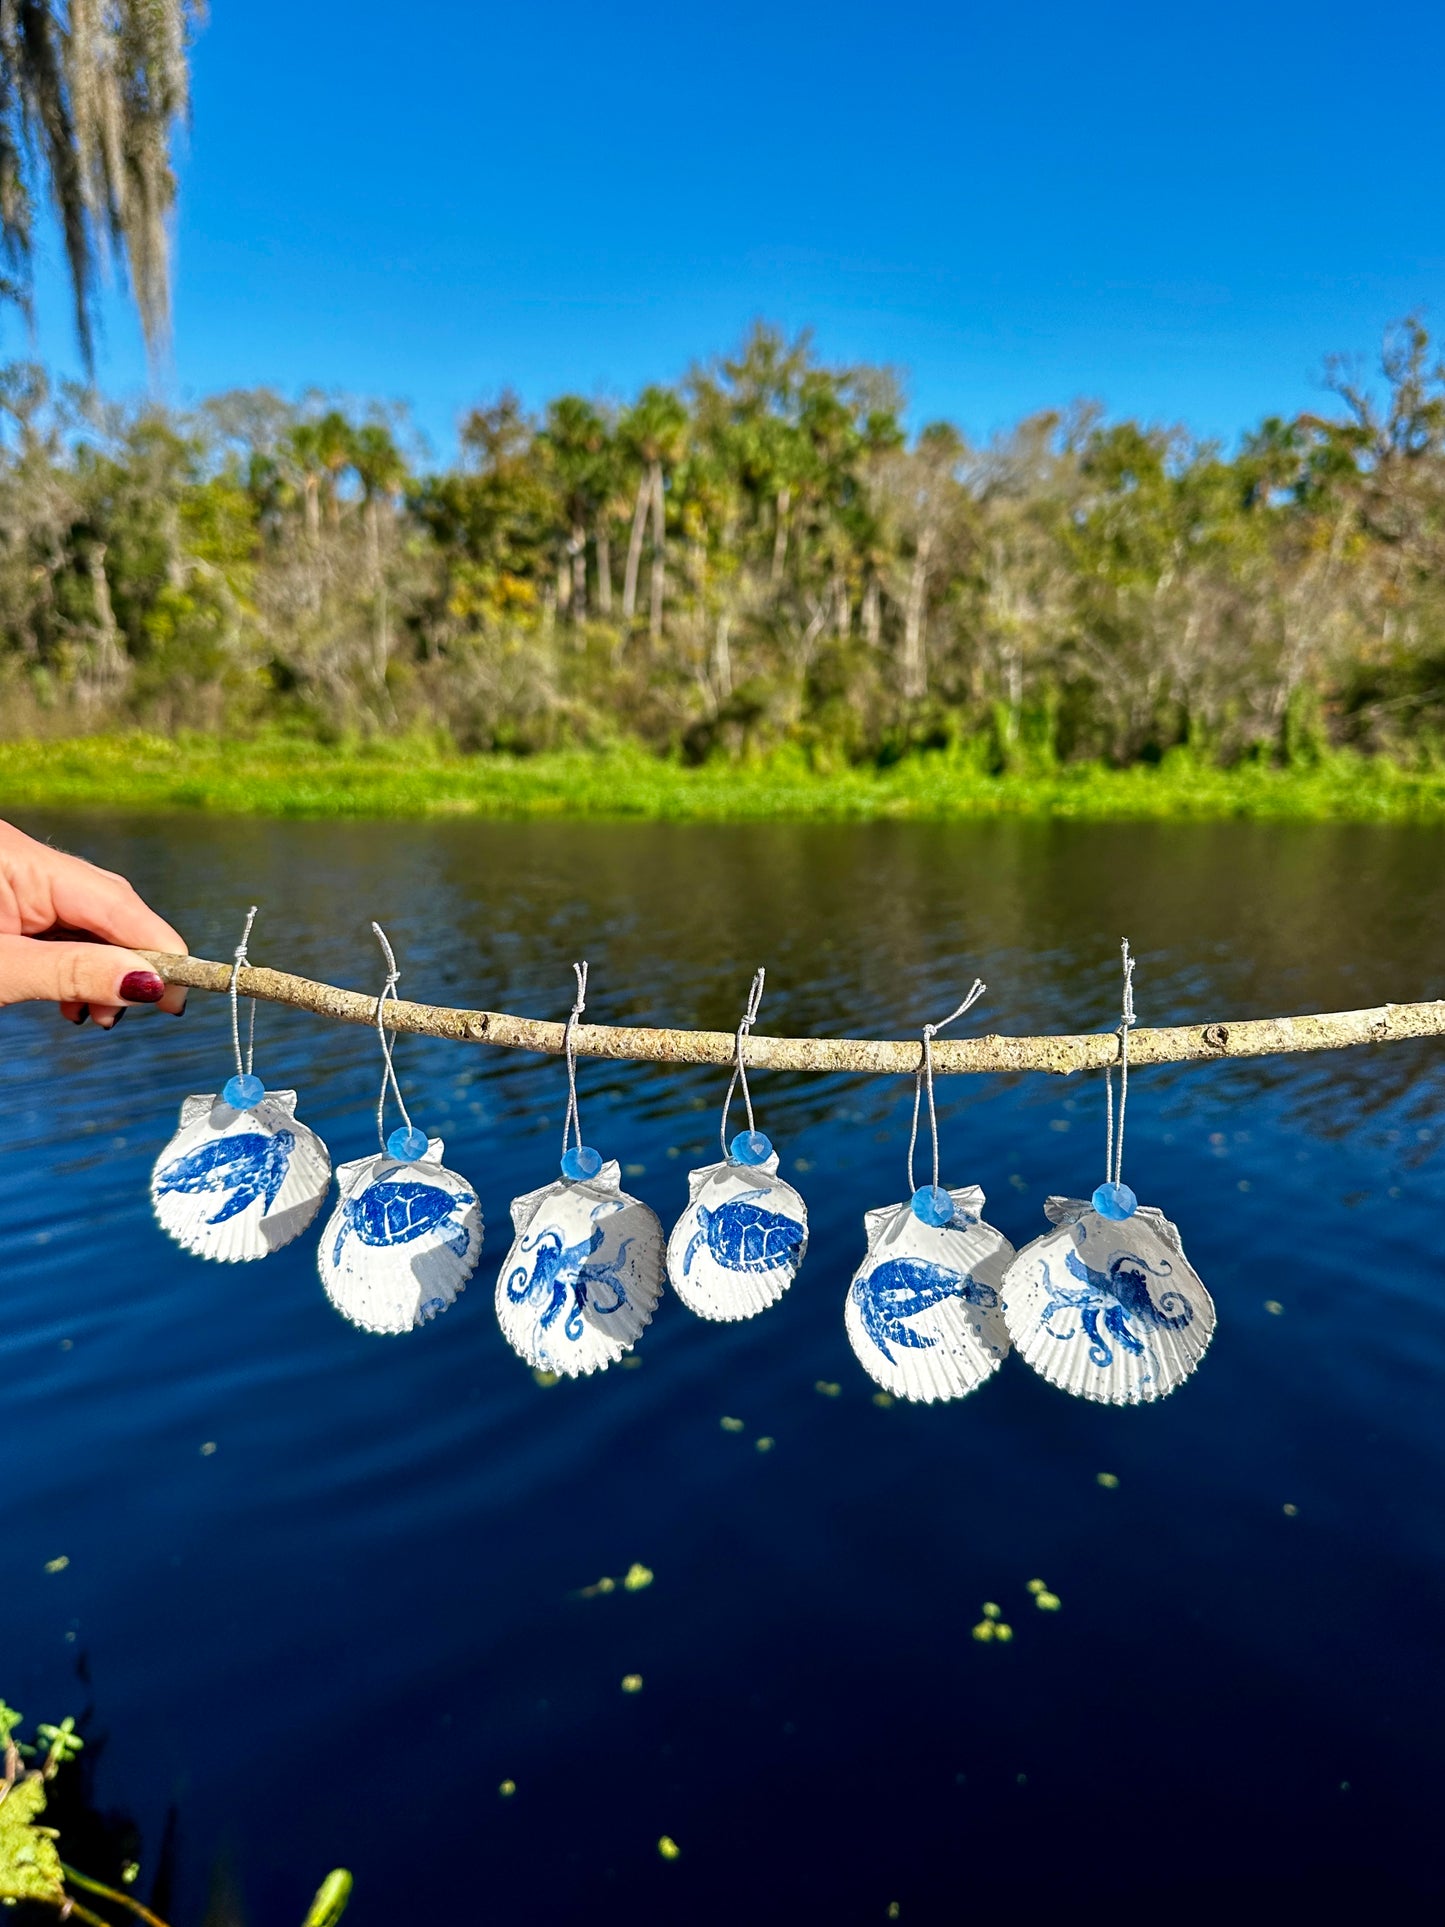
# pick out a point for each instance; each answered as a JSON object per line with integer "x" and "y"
{"x": 757, "y": 556}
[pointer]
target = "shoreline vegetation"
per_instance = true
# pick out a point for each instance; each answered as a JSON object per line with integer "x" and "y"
{"x": 759, "y": 590}
{"x": 425, "y": 777}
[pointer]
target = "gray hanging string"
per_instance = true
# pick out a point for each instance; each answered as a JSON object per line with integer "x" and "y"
{"x": 388, "y": 1075}
{"x": 740, "y": 1069}
{"x": 924, "y": 1076}
{"x": 243, "y": 1070}
{"x": 1114, "y": 1151}
{"x": 572, "y": 1123}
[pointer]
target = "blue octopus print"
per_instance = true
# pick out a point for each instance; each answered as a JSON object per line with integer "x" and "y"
{"x": 394, "y": 1213}
{"x": 561, "y": 1272}
{"x": 248, "y": 1166}
{"x": 902, "y": 1288}
{"x": 1121, "y": 1292}
{"x": 742, "y": 1236}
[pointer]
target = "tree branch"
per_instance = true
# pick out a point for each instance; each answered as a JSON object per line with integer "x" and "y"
{"x": 1183, "y": 1044}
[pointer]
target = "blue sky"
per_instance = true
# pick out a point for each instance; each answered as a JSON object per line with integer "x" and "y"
{"x": 1177, "y": 211}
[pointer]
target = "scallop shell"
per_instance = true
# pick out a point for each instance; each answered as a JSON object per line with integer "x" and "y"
{"x": 237, "y": 1185}
{"x": 402, "y": 1241}
{"x": 1108, "y": 1309}
{"x": 583, "y": 1276}
{"x": 738, "y": 1245}
{"x": 922, "y": 1312}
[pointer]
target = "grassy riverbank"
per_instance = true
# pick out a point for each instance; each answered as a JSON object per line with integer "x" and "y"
{"x": 417, "y": 778}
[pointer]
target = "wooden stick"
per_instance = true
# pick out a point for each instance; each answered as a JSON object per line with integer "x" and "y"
{"x": 1183, "y": 1044}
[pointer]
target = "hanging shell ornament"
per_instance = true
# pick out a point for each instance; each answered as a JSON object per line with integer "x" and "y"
{"x": 922, "y": 1312}
{"x": 242, "y": 1176}
{"x": 738, "y": 1245}
{"x": 584, "y": 1274}
{"x": 404, "y": 1238}
{"x": 1106, "y": 1305}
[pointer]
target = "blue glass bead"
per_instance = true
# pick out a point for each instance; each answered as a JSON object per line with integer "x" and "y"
{"x": 750, "y": 1147}
{"x": 1115, "y": 1201}
{"x": 580, "y": 1161}
{"x": 932, "y": 1204}
{"x": 406, "y": 1144}
{"x": 243, "y": 1092}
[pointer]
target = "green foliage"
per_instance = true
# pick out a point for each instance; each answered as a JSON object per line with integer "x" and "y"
{"x": 757, "y": 563}
{"x": 29, "y": 1860}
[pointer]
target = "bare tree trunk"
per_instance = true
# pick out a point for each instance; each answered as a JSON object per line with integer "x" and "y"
{"x": 577, "y": 548}
{"x": 634, "y": 546}
{"x": 1013, "y": 669}
{"x": 564, "y": 583}
{"x": 604, "y": 569}
{"x": 381, "y": 640}
{"x": 780, "y": 537}
{"x": 110, "y": 660}
{"x": 722, "y": 660}
{"x": 872, "y": 613}
{"x": 659, "y": 556}
{"x": 842, "y": 608}
{"x": 913, "y": 666}
{"x": 311, "y": 504}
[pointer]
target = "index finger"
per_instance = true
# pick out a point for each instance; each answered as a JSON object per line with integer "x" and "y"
{"x": 88, "y": 898}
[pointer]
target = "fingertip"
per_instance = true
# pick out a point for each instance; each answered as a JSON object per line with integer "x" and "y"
{"x": 174, "y": 1001}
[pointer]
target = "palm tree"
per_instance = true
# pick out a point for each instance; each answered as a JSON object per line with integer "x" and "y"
{"x": 654, "y": 432}
{"x": 380, "y": 468}
{"x": 91, "y": 92}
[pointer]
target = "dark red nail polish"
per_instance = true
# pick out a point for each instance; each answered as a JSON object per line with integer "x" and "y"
{"x": 142, "y": 987}
{"x": 84, "y": 1013}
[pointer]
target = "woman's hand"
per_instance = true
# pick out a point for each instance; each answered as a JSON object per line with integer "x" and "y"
{"x": 49, "y": 905}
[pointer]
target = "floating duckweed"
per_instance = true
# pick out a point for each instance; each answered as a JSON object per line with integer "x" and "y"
{"x": 827, "y": 1387}
{"x": 991, "y": 1611}
{"x": 58, "y": 1565}
{"x": 631, "y": 1362}
{"x": 604, "y": 1584}
{"x": 546, "y": 1379}
{"x": 668, "y": 1847}
{"x": 1002, "y": 1630}
{"x": 1047, "y": 1602}
{"x": 732, "y": 1425}
{"x": 1107, "y": 1479}
{"x": 763, "y": 1445}
{"x": 1274, "y": 1307}
{"x": 1037, "y": 1585}
{"x": 1290, "y": 1512}
{"x": 208, "y": 1448}
{"x": 637, "y": 1576}
{"x": 634, "y": 1170}
{"x": 895, "y": 1912}
{"x": 883, "y": 1400}
{"x": 632, "y": 1682}
{"x": 507, "y": 1789}
{"x": 984, "y": 1629}
{"x": 130, "y": 1873}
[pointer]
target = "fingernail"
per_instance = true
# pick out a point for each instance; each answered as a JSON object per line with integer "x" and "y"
{"x": 84, "y": 1013}
{"x": 142, "y": 987}
{"x": 116, "y": 1019}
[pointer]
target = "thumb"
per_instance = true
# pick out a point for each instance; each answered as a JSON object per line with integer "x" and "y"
{"x": 75, "y": 973}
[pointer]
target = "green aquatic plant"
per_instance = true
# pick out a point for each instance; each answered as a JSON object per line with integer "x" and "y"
{"x": 31, "y": 1866}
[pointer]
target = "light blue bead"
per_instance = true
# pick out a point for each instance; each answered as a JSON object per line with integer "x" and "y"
{"x": 1115, "y": 1201}
{"x": 580, "y": 1161}
{"x": 750, "y": 1147}
{"x": 932, "y": 1204}
{"x": 406, "y": 1144}
{"x": 243, "y": 1092}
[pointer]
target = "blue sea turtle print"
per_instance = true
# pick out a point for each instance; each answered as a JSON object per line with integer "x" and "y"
{"x": 564, "y": 1274}
{"x": 250, "y": 1165}
{"x": 743, "y": 1236}
{"x": 903, "y": 1288}
{"x": 397, "y": 1211}
{"x": 1120, "y": 1292}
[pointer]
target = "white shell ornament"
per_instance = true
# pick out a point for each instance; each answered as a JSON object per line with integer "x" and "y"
{"x": 238, "y": 1181}
{"x": 923, "y": 1309}
{"x": 403, "y": 1240}
{"x": 738, "y": 1245}
{"x": 1108, "y": 1308}
{"x": 584, "y": 1274}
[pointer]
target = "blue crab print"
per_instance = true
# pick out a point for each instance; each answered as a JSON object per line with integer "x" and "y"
{"x": 561, "y": 1272}
{"x": 901, "y": 1288}
{"x": 1121, "y": 1292}
{"x": 394, "y": 1213}
{"x": 249, "y": 1166}
{"x": 742, "y": 1236}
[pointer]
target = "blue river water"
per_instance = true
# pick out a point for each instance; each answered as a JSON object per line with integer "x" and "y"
{"x": 327, "y": 1593}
